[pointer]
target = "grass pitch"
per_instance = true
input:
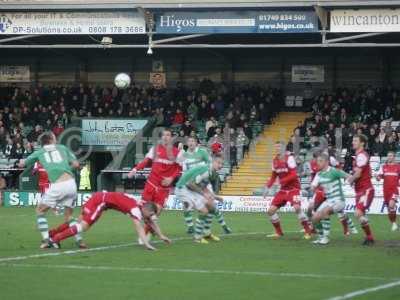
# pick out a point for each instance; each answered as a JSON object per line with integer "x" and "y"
{"x": 245, "y": 265}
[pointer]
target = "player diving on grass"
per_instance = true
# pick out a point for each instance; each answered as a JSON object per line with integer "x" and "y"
{"x": 284, "y": 168}
{"x": 390, "y": 173}
{"x": 101, "y": 201}
{"x": 329, "y": 180}
{"x": 192, "y": 190}
{"x": 59, "y": 162}
{"x": 193, "y": 157}
{"x": 319, "y": 196}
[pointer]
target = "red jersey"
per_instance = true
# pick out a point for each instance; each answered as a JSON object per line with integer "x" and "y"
{"x": 164, "y": 163}
{"x": 285, "y": 170}
{"x": 43, "y": 178}
{"x": 361, "y": 161}
{"x": 101, "y": 201}
{"x": 390, "y": 173}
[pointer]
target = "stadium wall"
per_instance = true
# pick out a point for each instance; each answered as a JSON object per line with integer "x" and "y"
{"x": 343, "y": 67}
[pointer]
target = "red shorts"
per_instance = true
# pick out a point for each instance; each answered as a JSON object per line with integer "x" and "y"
{"x": 390, "y": 195}
{"x": 285, "y": 196}
{"x": 156, "y": 194}
{"x": 318, "y": 198}
{"x": 364, "y": 199}
{"x": 93, "y": 209}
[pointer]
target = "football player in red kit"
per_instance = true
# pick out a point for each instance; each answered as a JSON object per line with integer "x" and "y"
{"x": 101, "y": 201}
{"x": 165, "y": 167}
{"x": 43, "y": 178}
{"x": 362, "y": 185}
{"x": 390, "y": 173}
{"x": 284, "y": 168}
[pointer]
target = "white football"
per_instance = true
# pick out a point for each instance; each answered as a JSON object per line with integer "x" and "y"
{"x": 122, "y": 81}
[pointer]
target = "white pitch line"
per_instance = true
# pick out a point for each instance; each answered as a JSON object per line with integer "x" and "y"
{"x": 69, "y": 252}
{"x": 192, "y": 271}
{"x": 366, "y": 291}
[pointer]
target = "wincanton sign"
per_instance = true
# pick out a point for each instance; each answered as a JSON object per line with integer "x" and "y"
{"x": 237, "y": 22}
{"x": 72, "y": 23}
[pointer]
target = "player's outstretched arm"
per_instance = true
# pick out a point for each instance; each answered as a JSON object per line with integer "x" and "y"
{"x": 154, "y": 225}
{"x": 140, "y": 166}
{"x": 142, "y": 235}
{"x": 355, "y": 176}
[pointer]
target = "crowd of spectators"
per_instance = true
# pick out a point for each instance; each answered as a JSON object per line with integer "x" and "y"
{"x": 337, "y": 117}
{"x": 26, "y": 112}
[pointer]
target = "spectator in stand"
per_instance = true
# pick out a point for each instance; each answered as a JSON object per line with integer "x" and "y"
{"x": 216, "y": 145}
{"x": 9, "y": 149}
{"x": 211, "y": 126}
{"x": 233, "y": 154}
{"x": 33, "y": 136}
{"x": 19, "y": 151}
{"x": 391, "y": 145}
{"x": 187, "y": 128}
{"x": 58, "y": 129}
{"x": 241, "y": 143}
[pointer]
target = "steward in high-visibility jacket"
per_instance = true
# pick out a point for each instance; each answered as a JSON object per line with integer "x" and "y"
{"x": 84, "y": 183}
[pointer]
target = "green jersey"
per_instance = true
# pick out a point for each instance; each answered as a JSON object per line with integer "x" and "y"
{"x": 199, "y": 175}
{"x": 55, "y": 159}
{"x": 196, "y": 158}
{"x": 330, "y": 181}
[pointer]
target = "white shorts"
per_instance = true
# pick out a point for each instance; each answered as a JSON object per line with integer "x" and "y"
{"x": 60, "y": 194}
{"x": 192, "y": 199}
{"x": 336, "y": 205}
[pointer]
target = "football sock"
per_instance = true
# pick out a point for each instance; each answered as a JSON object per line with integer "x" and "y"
{"x": 220, "y": 218}
{"x": 58, "y": 229}
{"x": 304, "y": 222}
{"x": 43, "y": 227}
{"x": 276, "y": 223}
{"x": 78, "y": 236}
{"x": 188, "y": 215}
{"x": 344, "y": 221}
{"x": 207, "y": 224}
{"x": 318, "y": 228}
{"x": 326, "y": 227}
{"x": 365, "y": 226}
{"x": 199, "y": 226}
{"x": 70, "y": 231}
{"x": 349, "y": 222}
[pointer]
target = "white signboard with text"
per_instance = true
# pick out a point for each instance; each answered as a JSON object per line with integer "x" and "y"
{"x": 308, "y": 73}
{"x": 14, "y": 74}
{"x": 126, "y": 22}
{"x": 365, "y": 20}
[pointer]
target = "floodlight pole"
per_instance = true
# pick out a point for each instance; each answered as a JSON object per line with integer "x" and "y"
{"x": 323, "y": 18}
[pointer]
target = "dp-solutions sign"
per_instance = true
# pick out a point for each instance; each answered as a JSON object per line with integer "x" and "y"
{"x": 123, "y": 22}
{"x": 237, "y": 22}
